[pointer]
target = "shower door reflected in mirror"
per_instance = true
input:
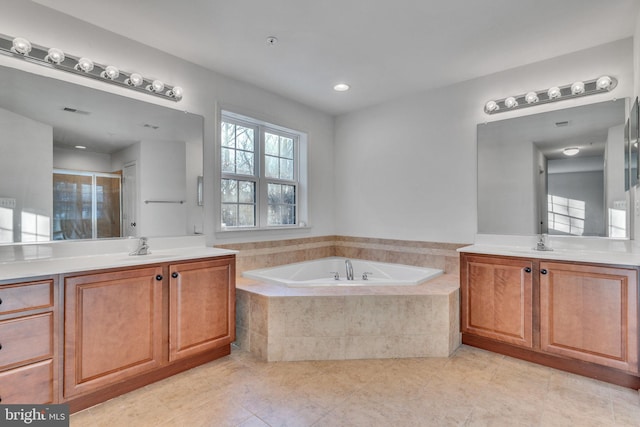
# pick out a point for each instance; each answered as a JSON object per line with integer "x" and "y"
{"x": 86, "y": 205}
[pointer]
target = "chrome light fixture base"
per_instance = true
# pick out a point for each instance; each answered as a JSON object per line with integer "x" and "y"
{"x": 56, "y": 58}
{"x": 602, "y": 84}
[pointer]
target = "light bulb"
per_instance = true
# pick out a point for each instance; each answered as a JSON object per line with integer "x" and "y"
{"x": 604, "y": 83}
{"x": 510, "y": 102}
{"x": 110, "y": 72}
{"x": 554, "y": 92}
{"x": 55, "y": 56}
{"x": 341, "y": 87}
{"x": 577, "y": 88}
{"x": 176, "y": 93}
{"x": 531, "y": 98}
{"x": 134, "y": 80}
{"x": 21, "y": 46}
{"x": 156, "y": 86}
{"x": 491, "y": 106}
{"x": 84, "y": 64}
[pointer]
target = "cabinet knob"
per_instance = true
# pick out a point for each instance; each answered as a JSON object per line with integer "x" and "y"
{"x": 543, "y": 271}
{"x": 0, "y": 346}
{"x": 174, "y": 274}
{"x": 0, "y": 301}
{"x": 527, "y": 269}
{"x": 159, "y": 277}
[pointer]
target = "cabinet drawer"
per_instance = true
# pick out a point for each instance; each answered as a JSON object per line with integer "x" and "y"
{"x": 26, "y": 339}
{"x": 31, "y": 384}
{"x": 26, "y": 296}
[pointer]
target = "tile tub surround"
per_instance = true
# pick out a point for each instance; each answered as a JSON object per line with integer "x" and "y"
{"x": 277, "y": 323}
{"x": 271, "y": 253}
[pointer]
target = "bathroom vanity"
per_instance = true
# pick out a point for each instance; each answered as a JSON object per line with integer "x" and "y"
{"x": 99, "y": 326}
{"x": 571, "y": 310}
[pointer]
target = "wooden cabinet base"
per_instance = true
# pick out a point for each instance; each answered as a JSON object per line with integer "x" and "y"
{"x": 142, "y": 380}
{"x": 579, "y": 367}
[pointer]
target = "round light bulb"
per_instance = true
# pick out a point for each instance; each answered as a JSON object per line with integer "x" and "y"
{"x": 531, "y": 98}
{"x": 491, "y": 106}
{"x": 176, "y": 92}
{"x": 55, "y": 56}
{"x": 510, "y": 102}
{"x": 134, "y": 80}
{"x": 85, "y": 64}
{"x": 604, "y": 82}
{"x": 554, "y": 92}
{"x": 341, "y": 87}
{"x": 156, "y": 86}
{"x": 577, "y": 88}
{"x": 21, "y": 46}
{"x": 110, "y": 72}
{"x": 571, "y": 151}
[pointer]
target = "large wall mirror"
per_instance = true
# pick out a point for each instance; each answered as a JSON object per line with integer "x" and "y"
{"x": 560, "y": 172}
{"x": 80, "y": 163}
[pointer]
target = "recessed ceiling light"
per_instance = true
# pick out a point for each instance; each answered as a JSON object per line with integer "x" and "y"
{"x": 81, "y": 147}
{"x": 571, "y": 151}
{"x": 341, "y": 87}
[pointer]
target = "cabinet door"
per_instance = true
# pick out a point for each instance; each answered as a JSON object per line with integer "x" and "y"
{"x": 112, "y": 326}
{"x": 201, "y": 306}
{"x": 497, "y": 298}
{"x": 590, "y": 313}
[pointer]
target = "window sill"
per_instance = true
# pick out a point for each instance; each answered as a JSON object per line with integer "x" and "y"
{"x": 252, "y": 230}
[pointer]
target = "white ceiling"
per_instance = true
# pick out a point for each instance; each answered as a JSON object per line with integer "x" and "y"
{"x": 383, "y": 49}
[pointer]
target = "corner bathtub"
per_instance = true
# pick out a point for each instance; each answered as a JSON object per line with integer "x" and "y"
{"x": 320, "y": 272}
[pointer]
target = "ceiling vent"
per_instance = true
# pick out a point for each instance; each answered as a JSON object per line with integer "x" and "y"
{"x": 75, "y": 110}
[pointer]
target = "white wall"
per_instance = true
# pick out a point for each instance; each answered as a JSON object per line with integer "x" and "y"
{"x": 517, "y": 195}
{"x": 28, "y": 182}
{"x": 205, "y": 92}
{"x": 64, "y": 158}
{"x": 162, "y": 177}
{"x": 406, "y": 169}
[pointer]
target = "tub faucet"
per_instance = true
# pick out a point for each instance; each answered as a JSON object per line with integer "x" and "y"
{"x": 143, "y": 247}
{"x": 349, "y": 267}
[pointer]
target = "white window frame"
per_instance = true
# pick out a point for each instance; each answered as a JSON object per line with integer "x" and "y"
{"x": 262, "y": 202}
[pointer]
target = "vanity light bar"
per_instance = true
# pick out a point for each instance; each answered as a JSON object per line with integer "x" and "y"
{"x": 557, "y": 93}
{"x": 55, "y": 58}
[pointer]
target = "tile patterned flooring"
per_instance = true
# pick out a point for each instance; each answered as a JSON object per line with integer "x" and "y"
{"x": 471, "y": 388}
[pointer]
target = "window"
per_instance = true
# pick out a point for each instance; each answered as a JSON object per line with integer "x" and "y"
{"x": 260, "y": 182}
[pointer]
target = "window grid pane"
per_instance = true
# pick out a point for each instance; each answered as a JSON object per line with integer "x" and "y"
{"x": 282, "y": 204}
{"x": 238, "y": 203}
{"x": 238, "y": 149}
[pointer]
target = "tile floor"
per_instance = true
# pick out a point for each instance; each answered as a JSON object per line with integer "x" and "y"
{"x": 471, "y": 388}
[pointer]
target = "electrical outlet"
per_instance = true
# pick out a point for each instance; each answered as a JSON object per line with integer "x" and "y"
{"x": 6, "y": 202}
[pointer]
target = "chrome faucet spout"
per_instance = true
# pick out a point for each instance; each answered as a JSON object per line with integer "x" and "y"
{"x": 142, "y": 249}
{"x": 349, "y": 267}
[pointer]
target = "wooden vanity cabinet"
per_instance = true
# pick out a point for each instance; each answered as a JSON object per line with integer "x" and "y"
{"x": 201, "y": 307}
{"x": 497, "y": 298}
{"x": 112, "y": 328}
{"x": 577, "y": 317}
{"x": 28, "y": 349}
{"x": 126, "y": 328}
{"x": 590, "y": 313}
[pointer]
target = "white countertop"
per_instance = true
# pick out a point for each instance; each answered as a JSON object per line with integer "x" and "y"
{"x": 590, "y": 250}
{"x": 50, "y": 261}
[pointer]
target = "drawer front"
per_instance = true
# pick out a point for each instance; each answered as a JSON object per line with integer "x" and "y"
{"x": 26, "y": 339}
{"x": 31, "y": 384}
{"x": 26, "y": 296}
